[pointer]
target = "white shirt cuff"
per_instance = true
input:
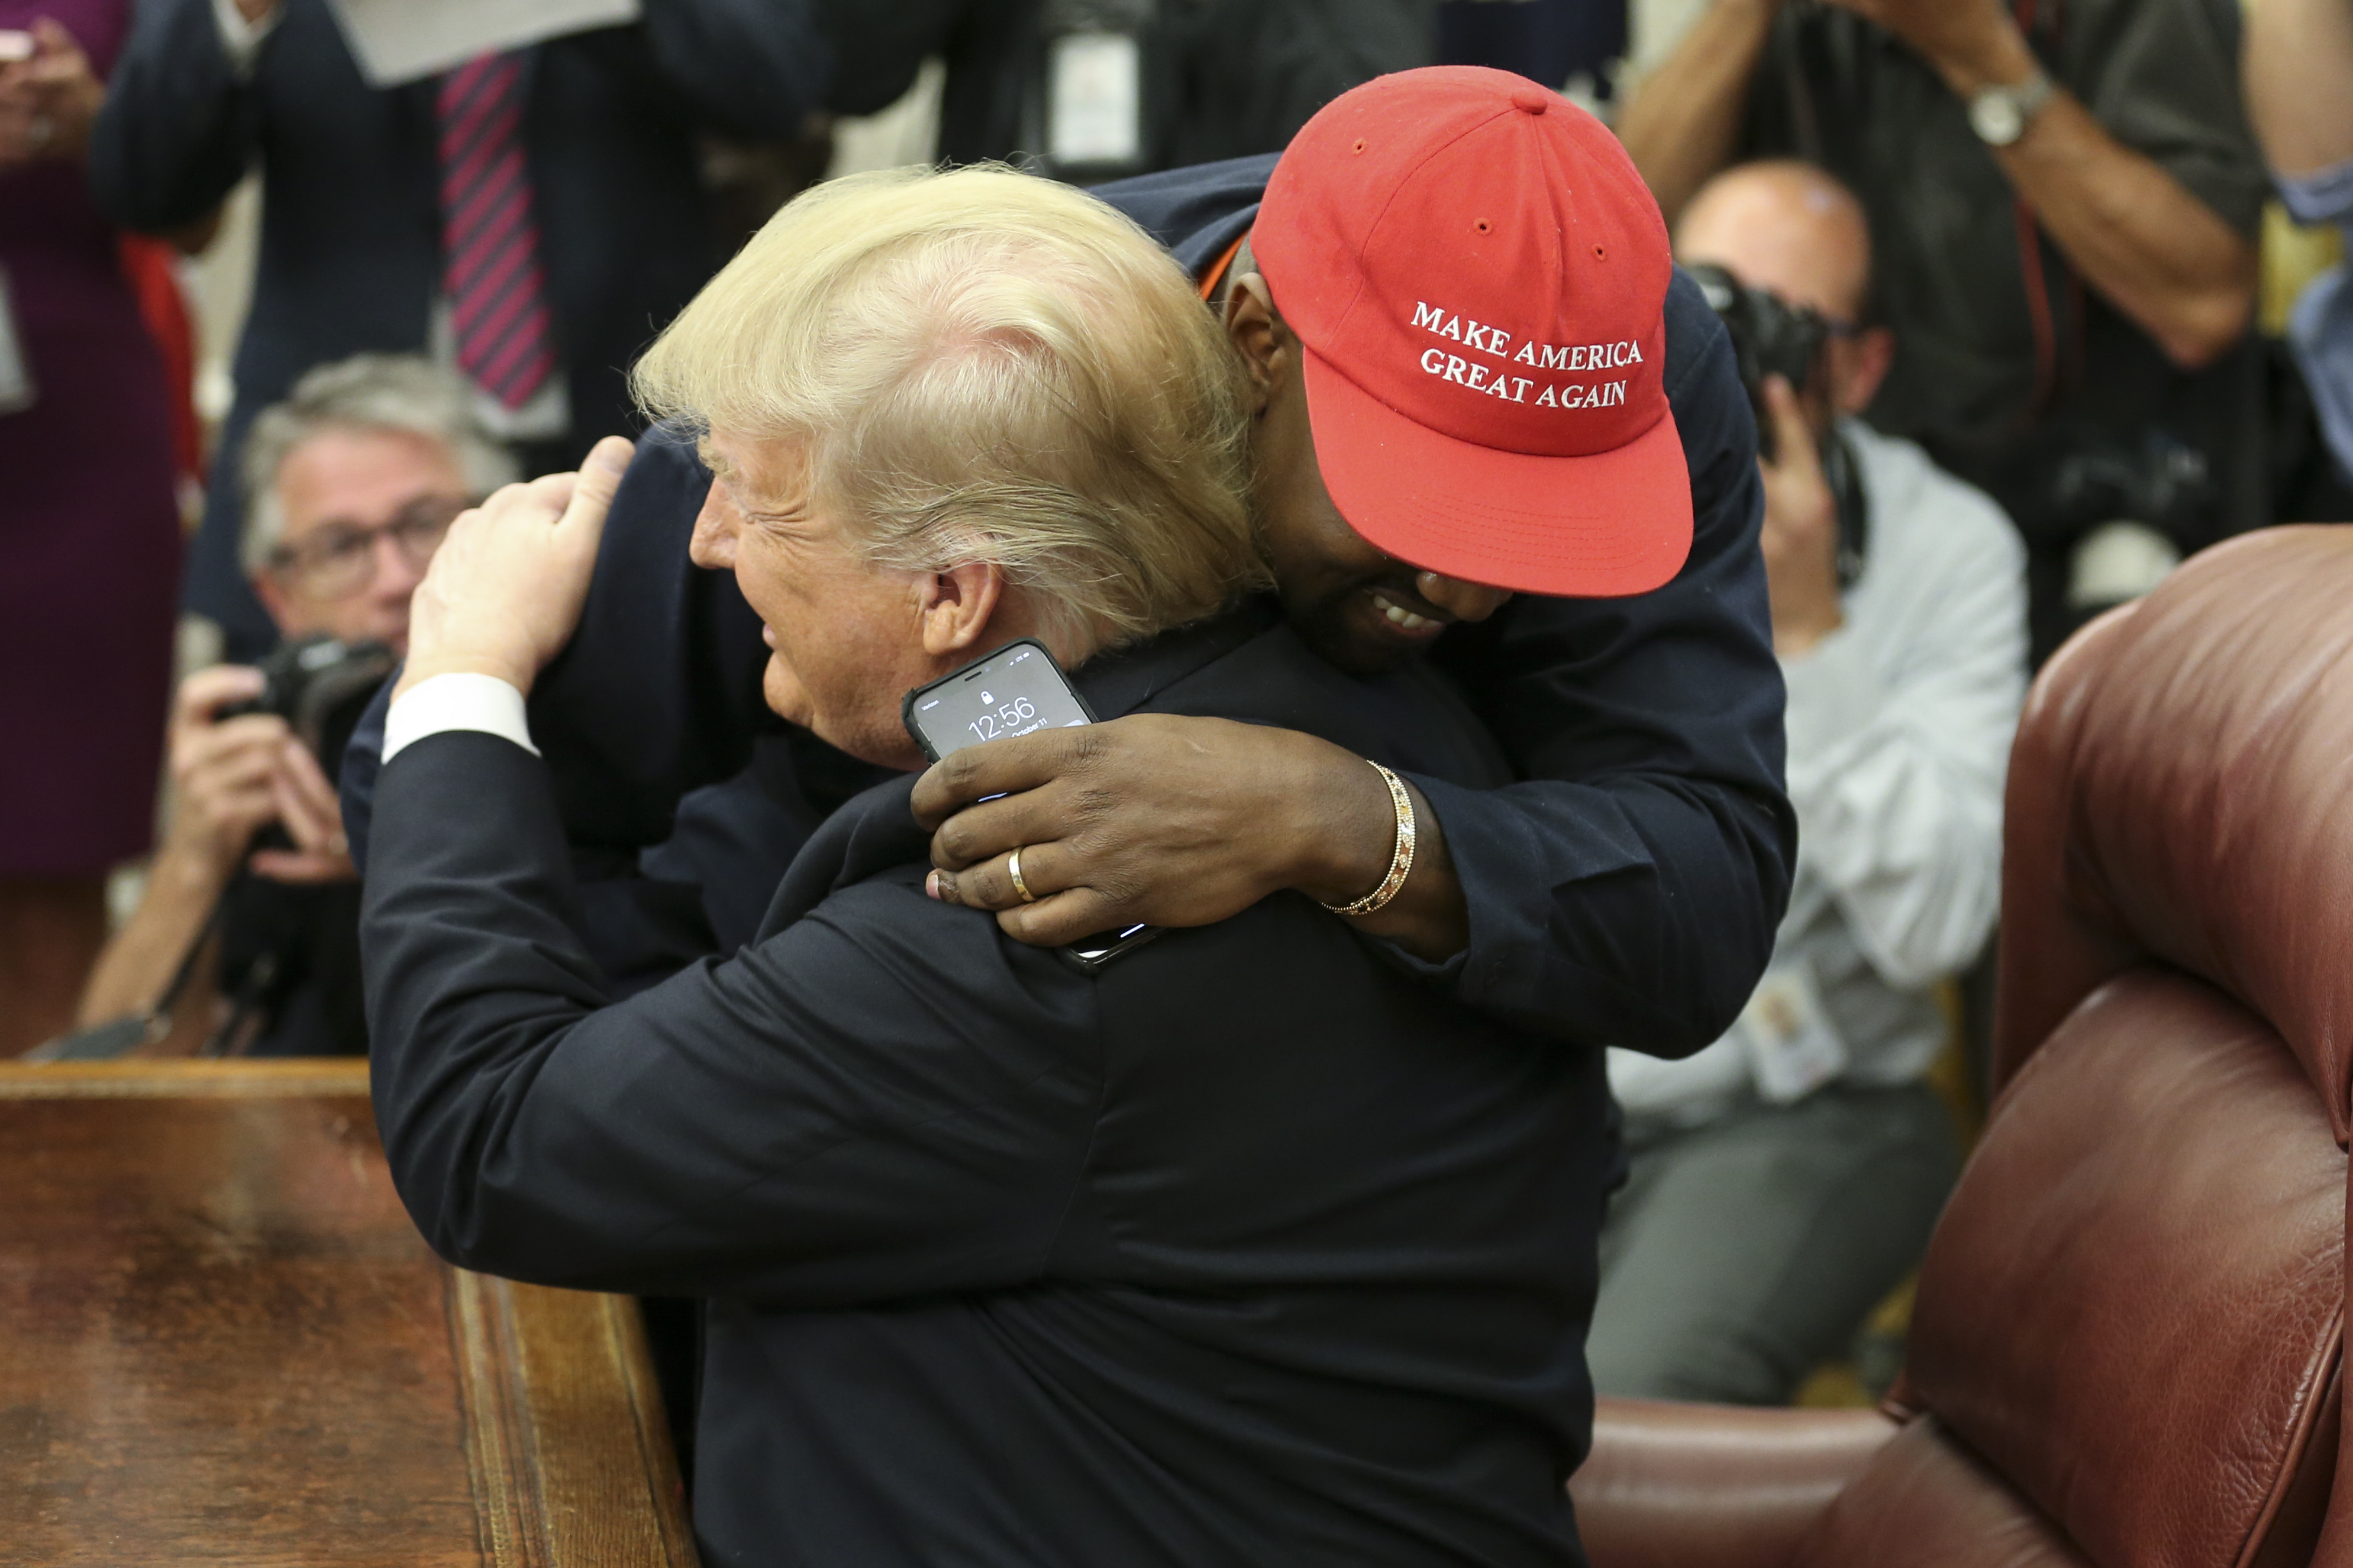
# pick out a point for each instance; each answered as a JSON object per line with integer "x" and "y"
{"x": 240, "y": 38}
{"x": 456, "y": 701}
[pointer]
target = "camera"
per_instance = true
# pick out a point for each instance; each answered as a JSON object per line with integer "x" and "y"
{"x": 1772, "y": 337}
{"x": 320, "y": 686}
{"x": 1769, "y": 337}
{"x": 2158, "y": 479}
{"x": 2131, "y": 508}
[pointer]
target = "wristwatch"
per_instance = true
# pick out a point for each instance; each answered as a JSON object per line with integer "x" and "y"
{"x": 2000, "y": 115}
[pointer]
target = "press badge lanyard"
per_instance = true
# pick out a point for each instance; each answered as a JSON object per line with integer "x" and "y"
{"x": 1095, "y": 85}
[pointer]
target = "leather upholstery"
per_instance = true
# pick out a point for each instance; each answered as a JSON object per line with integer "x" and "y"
{"x": 2127, "y": 1348}
{"x": 1671, "y": 1484}
{"x": 1924, "y": 1501}
{"x": 2182, "y": 790}
{"x": 2134, "y": 1306}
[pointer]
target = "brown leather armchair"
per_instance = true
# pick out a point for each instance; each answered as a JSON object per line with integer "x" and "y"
{"x": 2127, "y": 1348}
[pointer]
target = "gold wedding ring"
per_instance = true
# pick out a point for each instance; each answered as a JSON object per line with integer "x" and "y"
{"x": 1013, "y": 870}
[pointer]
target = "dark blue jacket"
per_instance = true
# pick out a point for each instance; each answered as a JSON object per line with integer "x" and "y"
{"x": 350, "y": 234}
{"x": 1247, "y": 1249}
{"x": 1624, "y": 890}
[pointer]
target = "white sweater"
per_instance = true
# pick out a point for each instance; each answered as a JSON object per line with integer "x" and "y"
{"x": 1899, "y": 726}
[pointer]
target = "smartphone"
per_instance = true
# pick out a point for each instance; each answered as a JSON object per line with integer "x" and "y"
{"x": 14, "y": 45}
{"x": 1015, "y": 690}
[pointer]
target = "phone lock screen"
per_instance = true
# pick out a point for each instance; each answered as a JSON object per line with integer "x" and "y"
{"x": 1013, "y": 691}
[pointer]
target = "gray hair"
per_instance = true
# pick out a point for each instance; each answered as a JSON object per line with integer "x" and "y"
{"x": 366, "y": 392}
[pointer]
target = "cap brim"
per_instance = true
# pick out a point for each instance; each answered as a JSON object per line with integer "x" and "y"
{"x": 1597, "y": 526}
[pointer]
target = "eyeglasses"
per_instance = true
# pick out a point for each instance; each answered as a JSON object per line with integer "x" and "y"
{"x": 337, "y": 560}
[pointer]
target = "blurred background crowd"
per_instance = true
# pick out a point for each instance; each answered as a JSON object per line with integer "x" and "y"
{"x": 285, "y": 285}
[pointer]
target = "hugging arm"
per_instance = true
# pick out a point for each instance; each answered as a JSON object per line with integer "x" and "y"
{"x": 837, "y": 1115}
{"x": 1626, "y": 892}
{"x": 658, "y": 692}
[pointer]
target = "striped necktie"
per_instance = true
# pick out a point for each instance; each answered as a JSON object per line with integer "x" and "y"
{"x": 490, "y": 240}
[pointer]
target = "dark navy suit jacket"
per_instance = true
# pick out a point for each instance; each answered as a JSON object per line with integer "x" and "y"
{"x": 1247, "y": 1249}
{"x": 1625, "y": 889}
{"x": 351, "y": 241}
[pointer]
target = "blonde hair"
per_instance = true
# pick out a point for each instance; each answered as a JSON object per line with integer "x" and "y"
{"x": 985, "y": 365}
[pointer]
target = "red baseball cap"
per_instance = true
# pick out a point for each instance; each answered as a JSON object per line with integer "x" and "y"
{"x": 1478, "y": 275}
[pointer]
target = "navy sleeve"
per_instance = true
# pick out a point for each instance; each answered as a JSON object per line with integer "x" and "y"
{"x": 658, "y": 692}
{"x": 885, "y": 1099}
{"x": 658, "y": 695}
{"x": 734, "y": 841}
{"x": 1628, "y": 893}
{"x": 179, "y": 127}
{"x": 754, "y": 67}
{"x": 1195, "y": 211}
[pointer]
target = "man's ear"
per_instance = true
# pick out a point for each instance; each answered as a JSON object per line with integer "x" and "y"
{"x": 1256, "y": 333}
{"x": 957, "y": 605}
{"x": 1868, "y": 357}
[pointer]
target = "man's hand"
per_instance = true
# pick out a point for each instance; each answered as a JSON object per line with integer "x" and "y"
{"x": 1801, "y": 534}
{"x": 505, "y": 589}
{"x": 47, "y": 103}
{"x": 312, "y": 817}
{"x": 223, "y": 769}
{"x": 232, "y": 777}
{"x": 1169, "y": 821}
{"x": 1972, "y": 43}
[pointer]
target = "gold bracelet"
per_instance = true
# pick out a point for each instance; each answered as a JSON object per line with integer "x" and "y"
{"x": 1400, "y": 858}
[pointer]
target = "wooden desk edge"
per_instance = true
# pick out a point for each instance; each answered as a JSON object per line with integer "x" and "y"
{"x": 533, "y": 1361}
{"x": 288, "y": 1077}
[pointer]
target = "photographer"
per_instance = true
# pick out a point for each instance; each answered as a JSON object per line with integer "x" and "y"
{"x": 522, "y": 216}
{"x": 2064, "y": 197}
{"x": 1784, "y": 1179}
{"x": 355, "y": 479}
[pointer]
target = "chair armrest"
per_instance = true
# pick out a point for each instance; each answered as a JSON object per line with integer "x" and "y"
{"x": 1713, "y": 1486}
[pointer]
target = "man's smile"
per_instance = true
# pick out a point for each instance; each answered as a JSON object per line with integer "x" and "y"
{"x": 1408, "y": 620}
{"x": 1403, "y": 615}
